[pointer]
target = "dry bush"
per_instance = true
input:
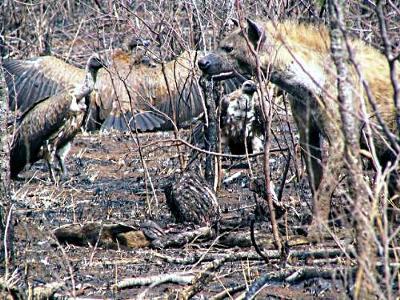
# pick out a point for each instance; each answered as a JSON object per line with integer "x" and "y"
{"x": 72, "y": 30}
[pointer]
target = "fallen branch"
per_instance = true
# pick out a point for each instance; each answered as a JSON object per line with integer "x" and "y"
{"x": 228, "y": 292}
{"x": 203, "y": 278}
{"x": 239, "y": 239}
{"x": 252, "y": 255}
{"x": 296, "y": 275}
{"x": 178, "y": 278}
{"x": 181, "y": 239}
{"x": 207, "y": 275}
{"x": 292, "y": 276}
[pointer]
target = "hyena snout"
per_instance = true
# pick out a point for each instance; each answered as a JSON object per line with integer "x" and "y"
{"x": 211, "y": 64}
{"x": 204, "y": 63}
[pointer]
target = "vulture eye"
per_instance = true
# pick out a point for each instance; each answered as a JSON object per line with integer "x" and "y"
{"x": 227, "y": 49}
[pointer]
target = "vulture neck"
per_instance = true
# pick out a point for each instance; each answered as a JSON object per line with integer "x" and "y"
{"x": 88, "y": 85}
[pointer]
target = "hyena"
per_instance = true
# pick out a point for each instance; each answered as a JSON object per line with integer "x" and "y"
{"x": 296, "y": 57}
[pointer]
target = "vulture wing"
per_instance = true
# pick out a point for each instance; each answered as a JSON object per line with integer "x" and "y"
{"x": 32, "y": 80}
{"x": 162, "y": 93}
{"x": 37, "y": 125}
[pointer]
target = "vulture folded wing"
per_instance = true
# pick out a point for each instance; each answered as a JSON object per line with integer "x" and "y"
{"x": 122, "y": 90}
{"x": 148, "y": 121}
{"x": 186, "y": 103}
{"x": 171, "y": 89}
{"x": 37, "y": 124}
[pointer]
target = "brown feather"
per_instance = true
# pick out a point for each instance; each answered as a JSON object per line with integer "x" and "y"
{"x": 47, "y": 128}
{"x": 39, "y": 125}
{"x": 124, "y": 88}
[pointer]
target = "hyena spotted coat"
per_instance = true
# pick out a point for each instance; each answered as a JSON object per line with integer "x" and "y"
{"x": 296, "y": 57}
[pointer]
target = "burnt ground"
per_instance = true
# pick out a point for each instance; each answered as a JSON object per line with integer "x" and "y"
{"x": 107, "y": 184}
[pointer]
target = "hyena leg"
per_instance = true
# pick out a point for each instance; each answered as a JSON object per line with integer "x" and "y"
{"x": 327, "y": 185}
{"x": 319, "y": 177}
{"x": 310, "y": 141}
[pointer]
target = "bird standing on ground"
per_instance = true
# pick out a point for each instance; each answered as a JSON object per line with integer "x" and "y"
{"x": 238, "y": 120}
{"x": 46, "y": 130}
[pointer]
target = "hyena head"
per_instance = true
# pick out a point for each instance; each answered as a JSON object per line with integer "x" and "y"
{"x": 233, "y": 54}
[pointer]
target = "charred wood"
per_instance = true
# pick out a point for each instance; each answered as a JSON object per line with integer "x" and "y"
{"x": 111, "y": 236}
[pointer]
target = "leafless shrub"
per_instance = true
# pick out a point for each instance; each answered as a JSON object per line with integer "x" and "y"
{"x": 72, "y": 30}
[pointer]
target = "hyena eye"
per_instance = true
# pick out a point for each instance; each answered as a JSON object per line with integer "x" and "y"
{"x": 227, "y": 49}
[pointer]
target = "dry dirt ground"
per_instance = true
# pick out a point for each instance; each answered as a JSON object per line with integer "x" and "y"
{"x": 107, "y": 184}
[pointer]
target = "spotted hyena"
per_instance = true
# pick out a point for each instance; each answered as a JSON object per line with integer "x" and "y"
{"x": 239, "y": 120}
{"x": 296, "y": 57}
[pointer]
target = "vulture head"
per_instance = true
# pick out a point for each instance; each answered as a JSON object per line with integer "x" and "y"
{"x": 249, "y": 87}
{"x": 95, "y": 63}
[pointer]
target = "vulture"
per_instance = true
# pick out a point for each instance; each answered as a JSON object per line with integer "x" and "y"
{"x": 128, "y": 95}
{"x": 240, "y": 120}
{"x": 139, "y": 49}
{"x": 47, "y": 128}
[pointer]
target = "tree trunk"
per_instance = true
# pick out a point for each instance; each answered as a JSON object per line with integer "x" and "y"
{"x": 362, "y": 206}
{"x": 6, "y": 228}
{"x": 211, "y": 93}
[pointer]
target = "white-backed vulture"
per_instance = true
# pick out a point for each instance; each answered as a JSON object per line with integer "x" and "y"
{"x": 46, "y": 129}
{"x": 240, "y": 125}
{"x": 241, "y": 122}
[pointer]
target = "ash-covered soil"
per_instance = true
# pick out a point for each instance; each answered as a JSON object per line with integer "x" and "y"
{"x": 107, "y": 183}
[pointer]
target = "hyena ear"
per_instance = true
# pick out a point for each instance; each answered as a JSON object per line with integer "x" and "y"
{"x": 256, "y": 33}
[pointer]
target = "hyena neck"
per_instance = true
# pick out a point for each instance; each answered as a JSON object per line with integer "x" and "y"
{"x": 295, "y": 65}
{"x": 300, "y": 82}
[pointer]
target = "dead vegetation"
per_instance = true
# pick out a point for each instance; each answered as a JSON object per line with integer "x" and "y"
{"x": 108, "y": 231}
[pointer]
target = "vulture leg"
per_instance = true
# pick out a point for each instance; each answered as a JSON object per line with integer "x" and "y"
{"x": 61, "y": 154}
{"x": 50, "y": 165}
{"x": 49, "y": 156}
